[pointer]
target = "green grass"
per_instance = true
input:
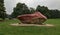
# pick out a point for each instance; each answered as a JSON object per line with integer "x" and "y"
{"x": 6, "y": 29}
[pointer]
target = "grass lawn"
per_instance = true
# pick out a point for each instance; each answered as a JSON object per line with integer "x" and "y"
{"x": 6, "y": 29}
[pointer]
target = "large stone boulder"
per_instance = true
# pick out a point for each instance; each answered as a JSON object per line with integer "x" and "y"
{"x": 35, "y": 18}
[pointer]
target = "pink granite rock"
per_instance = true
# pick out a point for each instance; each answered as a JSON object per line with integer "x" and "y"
{"x": 35, "y": 18}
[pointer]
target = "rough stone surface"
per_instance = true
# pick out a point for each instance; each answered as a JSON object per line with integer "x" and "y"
{"x": 35, "y": 18}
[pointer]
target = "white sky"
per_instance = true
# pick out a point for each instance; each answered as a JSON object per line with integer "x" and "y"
{"x": 51, "y": 4}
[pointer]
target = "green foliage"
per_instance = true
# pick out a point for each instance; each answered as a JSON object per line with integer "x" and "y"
{"x": 48, "y": 13}
{"x": 2, "y": 1}
{"x": 2, "y": 9}
{"x": 32, "y": 10}
{"x": 54, "y": 13}
{"x": 20, "y": 9}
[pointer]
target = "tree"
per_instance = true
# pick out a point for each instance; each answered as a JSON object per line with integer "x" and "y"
{"x": 54, "y": 13}
{"x": 2, "y": 9}
{"x": 44, "y": 10}
{"x": 32, "y": 10}
{"x": 20, "y": 9}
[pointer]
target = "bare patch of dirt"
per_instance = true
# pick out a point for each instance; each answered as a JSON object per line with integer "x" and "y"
{"x": 17, "y": 24}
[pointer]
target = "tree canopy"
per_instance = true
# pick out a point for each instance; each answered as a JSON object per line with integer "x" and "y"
{"x": 2, "y": 9}
{"x": 22, "y": 8}
{"x": 48, "y": 13}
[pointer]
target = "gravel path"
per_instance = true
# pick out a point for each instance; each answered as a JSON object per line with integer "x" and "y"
{"x": 16, "y": 24}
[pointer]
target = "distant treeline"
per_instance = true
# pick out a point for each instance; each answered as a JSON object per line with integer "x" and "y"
{"x": 21, "y": 8}
{"x": 48, "y": 13}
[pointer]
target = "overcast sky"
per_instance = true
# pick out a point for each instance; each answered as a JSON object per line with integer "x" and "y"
{"x": 51, "y": 4}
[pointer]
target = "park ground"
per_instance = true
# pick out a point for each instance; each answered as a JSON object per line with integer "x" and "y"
{"x": 7, "y": 29}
